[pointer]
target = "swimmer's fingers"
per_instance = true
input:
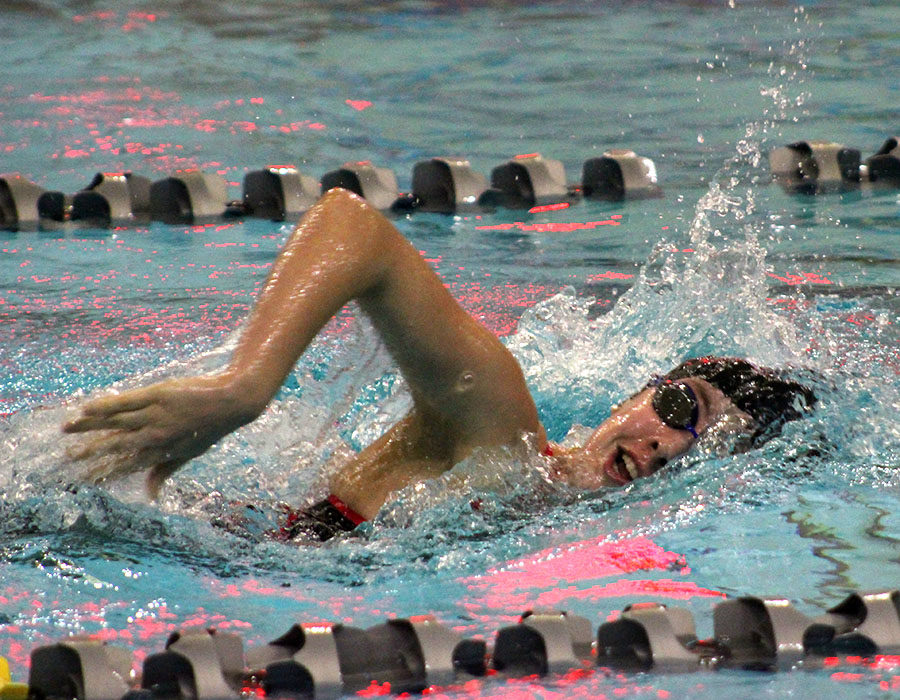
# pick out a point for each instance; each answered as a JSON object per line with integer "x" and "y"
{"x": 125, "y": 444}
{"x": 121, "y": 453}
{"x": 112, "y": 459}
{"x": 102, "y": 413}
{"x": 123, "y": 420}
{"x": 88, "y": 448}
{"x": 110, "y": 466}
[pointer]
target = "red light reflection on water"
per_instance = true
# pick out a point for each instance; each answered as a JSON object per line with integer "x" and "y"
{"x": 558, "y": 576}
{"x": 548, "y": 207}
{"x": 121, "y": 320}
{"x": 129, "y": 298}
{"x": 500, "y": 307}
{"x": 609, "y": 275}
{"x": 106, "y": 116}
{"x": 551, "y": 227}
{"x": 793, "y": 279}
{"x": 872, "y": 667}
{"x": 110, "y": 19}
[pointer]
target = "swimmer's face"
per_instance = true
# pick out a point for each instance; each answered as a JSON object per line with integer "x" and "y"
{"x": 634, "y": 442}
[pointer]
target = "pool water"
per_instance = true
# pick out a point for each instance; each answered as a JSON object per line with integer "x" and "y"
{"x": 592, "y": 299}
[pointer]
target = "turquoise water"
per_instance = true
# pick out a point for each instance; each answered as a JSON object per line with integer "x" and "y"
{"x": 726, "y": 262}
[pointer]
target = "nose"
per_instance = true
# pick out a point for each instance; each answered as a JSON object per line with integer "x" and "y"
{"x": 665, "y": 445}
{"x": 657, "y": 461}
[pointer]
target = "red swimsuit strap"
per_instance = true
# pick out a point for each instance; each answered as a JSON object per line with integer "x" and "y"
{"x": 346, "y": 510}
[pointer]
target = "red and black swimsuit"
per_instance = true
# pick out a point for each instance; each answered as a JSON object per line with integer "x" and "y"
{"x": 331, "y": 516}
{"x": 320, "y": 521}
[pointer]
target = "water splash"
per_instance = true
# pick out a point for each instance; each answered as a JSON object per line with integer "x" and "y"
{"x": 709, "y": 298}
{"x": 707, "y": 295}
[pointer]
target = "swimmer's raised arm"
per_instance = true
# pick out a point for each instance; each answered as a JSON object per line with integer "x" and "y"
{"x": 467, "y": 389}
{"x": 343, "y": 249}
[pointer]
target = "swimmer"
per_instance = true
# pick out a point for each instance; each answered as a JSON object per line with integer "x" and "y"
{"x": 467, "y": 389}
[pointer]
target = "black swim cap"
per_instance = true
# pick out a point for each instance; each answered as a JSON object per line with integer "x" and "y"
{"x": 766, "y": 395}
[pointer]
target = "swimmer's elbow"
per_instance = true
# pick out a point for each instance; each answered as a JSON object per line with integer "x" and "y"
{"x": 344, "y": 201}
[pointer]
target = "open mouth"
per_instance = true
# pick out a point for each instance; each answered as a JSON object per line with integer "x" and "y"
{"x": 623, "y": 466}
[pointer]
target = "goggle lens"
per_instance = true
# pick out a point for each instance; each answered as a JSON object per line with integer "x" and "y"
{"x": 677, "y": 406}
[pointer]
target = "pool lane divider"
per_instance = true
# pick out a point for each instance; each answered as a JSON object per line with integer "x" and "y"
{"x": 444, "y": 185}
{"x": 280, "y": 192}
{"x": 325, "y": 660}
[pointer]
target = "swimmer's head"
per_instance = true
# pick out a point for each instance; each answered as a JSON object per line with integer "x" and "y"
{"x": 766, "y": 395}
{"x": 665, "y": 419}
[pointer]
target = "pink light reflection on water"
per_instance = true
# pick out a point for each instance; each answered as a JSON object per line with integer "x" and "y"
{"x": 553, "y": 227}
{"x": 105, "y": 119}
{"x": 557, "y": 575}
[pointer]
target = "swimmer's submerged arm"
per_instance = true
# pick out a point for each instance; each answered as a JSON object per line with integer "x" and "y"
{"x": 459, "y": 373}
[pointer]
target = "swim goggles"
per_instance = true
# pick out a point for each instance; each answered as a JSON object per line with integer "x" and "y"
{"x": 677, "y": 406}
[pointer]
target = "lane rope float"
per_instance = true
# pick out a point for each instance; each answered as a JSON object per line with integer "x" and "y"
{"x": 329, "y": 660}
{"x": 444, "y": 185}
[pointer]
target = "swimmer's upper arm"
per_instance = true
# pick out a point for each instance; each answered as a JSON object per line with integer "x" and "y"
{"x": 456, "y": 368}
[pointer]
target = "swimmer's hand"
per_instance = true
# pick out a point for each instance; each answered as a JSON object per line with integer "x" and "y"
{"x": 157, "y": 428}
